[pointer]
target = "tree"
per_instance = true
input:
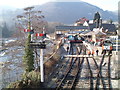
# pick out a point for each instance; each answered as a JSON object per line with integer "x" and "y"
{"x": 52, "y": 25}
{"x": 28, "y": 58}
{"x": 5, "y": 32}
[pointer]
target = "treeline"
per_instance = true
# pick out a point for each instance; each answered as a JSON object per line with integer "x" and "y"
{"x": 12, "y": 32}
{"x": 5, "y": 32}
{"x": 52, "y": 25}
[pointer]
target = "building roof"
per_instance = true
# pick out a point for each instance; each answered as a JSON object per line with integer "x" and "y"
{"x": 110, "y": 27}
{"x": 71, "y": 27}
{"x": 95, "y": 33}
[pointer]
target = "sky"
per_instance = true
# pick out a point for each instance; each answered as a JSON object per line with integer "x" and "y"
{"x": 110, "y": 5}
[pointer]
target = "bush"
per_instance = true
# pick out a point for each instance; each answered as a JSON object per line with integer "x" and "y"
{"x": 29, "y": 80}
{"x": 28, "y": 58}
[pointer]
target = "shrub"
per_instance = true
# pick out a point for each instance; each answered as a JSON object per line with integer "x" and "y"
{"x": 28, "y": 58}
{"x": 29, "y": 80}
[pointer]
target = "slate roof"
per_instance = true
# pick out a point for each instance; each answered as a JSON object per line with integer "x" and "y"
{"x": 71, "y": 27}
{"x": 110, "y": 27}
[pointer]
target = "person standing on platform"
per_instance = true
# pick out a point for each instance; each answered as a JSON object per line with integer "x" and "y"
{"x": 97, "y": 52}
{"x": 89, "y": 52}
{"x": 93, "y": 52}
{"x": 67, "y": 48}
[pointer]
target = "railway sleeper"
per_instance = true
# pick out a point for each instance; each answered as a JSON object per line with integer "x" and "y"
{"x": 61, "y": 76}
{"x": 70, "y": 78}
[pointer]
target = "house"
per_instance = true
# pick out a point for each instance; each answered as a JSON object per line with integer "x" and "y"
{"x": 81, "y": 21}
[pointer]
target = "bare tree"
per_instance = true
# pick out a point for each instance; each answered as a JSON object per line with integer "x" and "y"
{"x": 31, "y": 19}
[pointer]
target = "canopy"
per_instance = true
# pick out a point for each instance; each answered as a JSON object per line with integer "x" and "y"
{"x": 95, "y": 33}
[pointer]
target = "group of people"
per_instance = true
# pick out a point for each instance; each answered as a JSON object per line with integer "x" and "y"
{"x": 89, "y": 52}
{"x": 92, "y": 52}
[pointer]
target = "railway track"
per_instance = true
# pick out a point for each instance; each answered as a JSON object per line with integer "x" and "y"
{"x": 83, "y": 72}
{"x": 59, "y": 71}
{"x": 106, "y": 78}
{"x": 71, "y": 75}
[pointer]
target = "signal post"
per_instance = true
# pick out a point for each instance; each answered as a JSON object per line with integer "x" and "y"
{"x": 41, "y": 46}
{"x": 38, "y": 45}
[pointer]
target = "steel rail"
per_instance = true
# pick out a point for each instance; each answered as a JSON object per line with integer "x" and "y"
{"x": 91, "y": 75}
{"x": 99, "y": 75}
{"x": 73, "y": 61}
{"x": 109, "y": 73}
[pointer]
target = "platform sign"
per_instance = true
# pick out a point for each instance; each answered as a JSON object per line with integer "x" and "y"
{"x": 39, "y": 45}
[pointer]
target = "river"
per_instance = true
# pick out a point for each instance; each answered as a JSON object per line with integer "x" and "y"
{"x": 10, "y": 63}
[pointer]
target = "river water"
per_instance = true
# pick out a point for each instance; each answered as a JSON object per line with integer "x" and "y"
{"x": 10, "y": 64}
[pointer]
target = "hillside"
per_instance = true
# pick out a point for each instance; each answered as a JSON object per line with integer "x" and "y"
{"x": 69, "y": 12}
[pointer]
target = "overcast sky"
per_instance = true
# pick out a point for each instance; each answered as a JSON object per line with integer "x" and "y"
{"x": 104, "y": 4}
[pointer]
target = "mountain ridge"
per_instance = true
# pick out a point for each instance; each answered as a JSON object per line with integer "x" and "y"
{"x": 64, "y": 11}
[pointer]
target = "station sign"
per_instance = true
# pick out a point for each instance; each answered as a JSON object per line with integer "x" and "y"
{"x": 40, "y": 45}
